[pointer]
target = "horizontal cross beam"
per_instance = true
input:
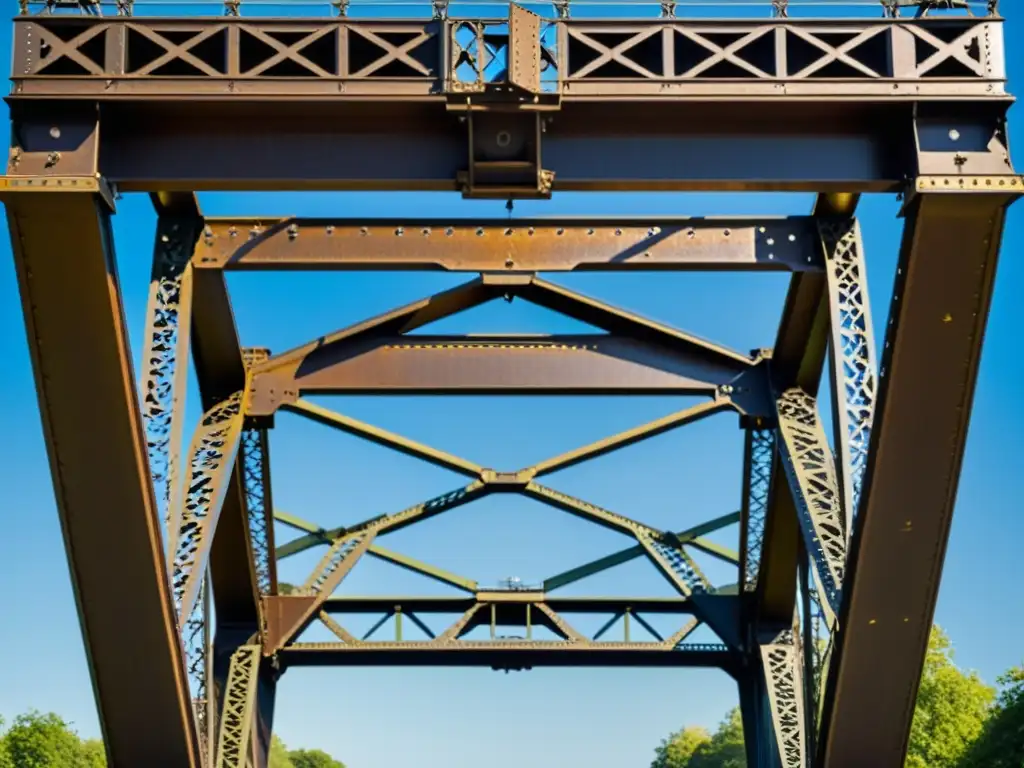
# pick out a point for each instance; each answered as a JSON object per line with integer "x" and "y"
{"x": 520, "y": 245}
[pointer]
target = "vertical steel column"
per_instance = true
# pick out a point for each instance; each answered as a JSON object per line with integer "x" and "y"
{"x": 758, "y": 452}
{"x": 165, "y": 357}
{"x": 196, "y": 639}
{"x": 239, "y": 704}
{"x": 258, "y": 501}
{"x": 852, "y": 353}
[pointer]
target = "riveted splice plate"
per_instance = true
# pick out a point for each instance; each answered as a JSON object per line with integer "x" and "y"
{"x": 523, "y": 49}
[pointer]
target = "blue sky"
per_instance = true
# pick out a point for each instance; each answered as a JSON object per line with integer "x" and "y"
{"x": 379, "y": 718}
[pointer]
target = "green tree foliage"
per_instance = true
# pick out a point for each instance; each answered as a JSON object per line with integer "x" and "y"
{"x": 5, "y": 756}
{"x": 313, "y": 758}
{"x": 279, "y": 754}
{"x": 955, "y": 724}
{"x": 696, "y": 748}
{"x": 951, "y": 709}
{"x": 726, "y": 749}
{"x": 678, "y": 748}
{"x": 94, "y": 755}
{"x": 1001, "y": 744}
{"x": 43, "y": 741}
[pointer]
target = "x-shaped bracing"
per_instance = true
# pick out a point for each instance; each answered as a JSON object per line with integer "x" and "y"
{"x": 347, "y": 544}
{"x": 527, "y": 609}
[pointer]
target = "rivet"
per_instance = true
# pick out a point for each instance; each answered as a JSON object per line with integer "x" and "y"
{"x": 792, "y": 238}
{"x": 425, "y": 230}
{"x": 871, "y": 621}
{"x": 508, "y": 231}
{"x": 449, "y": 232}
{"x": 954, "y": 134}
{"x": 727, "y": 233}
{"x": 55, "y": 132}
{"x": 618, "y": 232}
{"x": 530, "y": 231}
{"x": 559, "y": 231}
{"x": 691, "y": 233}
{"x": 771, "y": 241}
{"x": 761, "y": 230}
{"x": 479, "y": 231}
{"x": 399, "y": 231}
{"x": 364, "y": 231}
{"x": 330, "y": 229}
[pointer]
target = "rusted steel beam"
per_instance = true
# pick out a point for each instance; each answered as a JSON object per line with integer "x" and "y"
{"x": 929, "y": 368}
{"x": 520, "y": 245}
{"x": 637, "y": 355}
{"x": 64, "y": 255}
{"x": 592, "y": 364}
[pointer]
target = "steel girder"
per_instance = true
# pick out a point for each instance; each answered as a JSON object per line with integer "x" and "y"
{"x": 839, "y": 116}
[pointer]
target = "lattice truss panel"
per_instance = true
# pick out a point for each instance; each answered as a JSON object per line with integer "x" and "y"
{"x": 810, "y": 467}
{"x": 853, "y": 352}
{"x": 668, "y": 551}
{"x": 480, "y": 54}
{"x": 164, "y": 357}
{"x": 398, "y": 55}
{"x": 256, "y": 49}
{"x": 211, "y": 458}
{"x": 239, "y": 698}
{"x": 757, "y": 461}
{"x": 685, "y": 51}
{"x": 782, "y": 659}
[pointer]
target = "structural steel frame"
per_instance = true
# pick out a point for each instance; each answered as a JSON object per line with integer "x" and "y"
{"x": 840, "y": 553}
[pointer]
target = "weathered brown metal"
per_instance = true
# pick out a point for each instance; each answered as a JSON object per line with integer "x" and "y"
{"x": 68, "y": 274}
{"x": 841, "y": 121}
{"x": 519, "y": 245}
{"x": 939, "y": 302}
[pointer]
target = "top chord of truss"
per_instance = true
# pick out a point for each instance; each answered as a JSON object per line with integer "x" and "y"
{"x": 547, "y": 8}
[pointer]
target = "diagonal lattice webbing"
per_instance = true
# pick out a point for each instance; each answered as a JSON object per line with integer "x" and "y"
{"x": 239, "y": 703}
{"x": 254, "y": 458}
{"x": 165, "y": 358}
{"x": 761, "y": 450}
{"x": 782, "y": 668}
{"x": 854, "y": 367}
{"x": 810, "y": 470}
{"x": 679, "y": 563}
{"x": 212, "y": 457}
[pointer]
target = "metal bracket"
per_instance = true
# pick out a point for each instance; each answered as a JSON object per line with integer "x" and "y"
{"x": 504, "y": 156}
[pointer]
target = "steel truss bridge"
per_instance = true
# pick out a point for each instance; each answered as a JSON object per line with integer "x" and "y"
{"x": 839, "y": 553}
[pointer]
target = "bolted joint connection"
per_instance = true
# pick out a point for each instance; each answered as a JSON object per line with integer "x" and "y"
{"x": 506, "y": 481}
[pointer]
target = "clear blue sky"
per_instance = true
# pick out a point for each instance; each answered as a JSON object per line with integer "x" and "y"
{"x": 381, "y": 718}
